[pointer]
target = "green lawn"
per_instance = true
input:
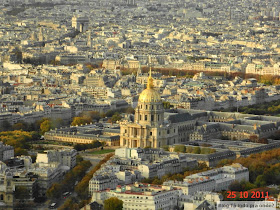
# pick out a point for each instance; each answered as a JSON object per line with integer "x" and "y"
{"x": 100, "y": 152}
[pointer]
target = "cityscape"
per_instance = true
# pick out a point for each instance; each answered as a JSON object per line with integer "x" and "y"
{"x": 139, "y": 104}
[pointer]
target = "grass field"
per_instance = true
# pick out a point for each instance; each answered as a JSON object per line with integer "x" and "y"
{"x": 104, "y": 151}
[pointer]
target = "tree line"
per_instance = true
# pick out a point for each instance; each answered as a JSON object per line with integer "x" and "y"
{"x": 46, "y": 124}
{"x": 265, "y": 79}
{"x": 43, "y": 125}
{"x": 19, "y": 140}
{"x": 69, "y": 180}
{"x": 264, "y": 169}
{"x": 88, "y": 117}
{"x": 177, "y": 177}
{"x": 270, "y": 108}
{"x": 193, "y": 150}
{"x": 93, "y": 145}
{"x": 82, "y": 189}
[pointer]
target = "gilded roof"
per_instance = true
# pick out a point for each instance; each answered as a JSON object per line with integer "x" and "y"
{"x": 149, "y": 95}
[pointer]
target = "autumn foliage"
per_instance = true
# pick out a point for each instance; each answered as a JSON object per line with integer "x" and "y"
{"x": 67, "y": 184}
{"x": 113, "y": 203}
{"x": 19, "y": 140}
{"x": 82, "y": 187}
{"x": 178, "y": 177}
{"x": 264, "y": 168}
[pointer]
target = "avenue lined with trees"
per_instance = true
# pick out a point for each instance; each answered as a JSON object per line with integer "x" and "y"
{"x": 81, "y": 189}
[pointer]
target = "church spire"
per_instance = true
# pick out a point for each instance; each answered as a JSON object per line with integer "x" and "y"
{"x": 150, "y": 84}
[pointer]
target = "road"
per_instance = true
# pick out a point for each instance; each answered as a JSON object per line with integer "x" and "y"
{"x": 94, "y": 159}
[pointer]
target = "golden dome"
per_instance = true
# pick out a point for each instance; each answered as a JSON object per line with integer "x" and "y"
{"x": 149, "y": 95}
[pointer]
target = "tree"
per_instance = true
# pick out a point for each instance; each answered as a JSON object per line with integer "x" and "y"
{"x": 102, "y": 115}
{"x": 82, "y": 189}
{"x": 81, "y": 120}
{"x": 57, "y": 123}
{"x": 180, "y": 148}
{"x": 260, "y": 181}
{"x": 110, "y": 113}
{"x": 224, "y": 138}
{"x": 189, "y": 149}
{"x": 69, "y": 205}
{"x": 113, "y": 203}
{"x": 6, "y": 126}
{"x": 79, "y": 159}
{"x": 116, "y": 117}
{"x": 130, "y": 110}
{"x": 19, "y": 151}
{"x": 235, "y": 186}
{"x": 224, "y": 162}
{"x": 54, "y": 191}
{"x": 166, "y": 148}
{"x": 79, "y": 147}
{"x": 205, "y": 151}
{"x": 166, "y": 105}
{"x": 197, "y": 150}
{"x": 212, "y": 151}
{"x": 96, "y": 144}
{"x": 21, "y": 193}
{"x": 19, "y": 126}
{"x": 263, "y": 141}
{"x": 94, "y": 115}
{"x": 157, "y": 181}
{"x": 45, "y": 126}
{"x": 247, "y": 185}
{"x": 253, "y": 138}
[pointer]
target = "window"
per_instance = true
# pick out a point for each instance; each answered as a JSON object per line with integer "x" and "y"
{"x": 152, "y": 117}
{"x": 146, "y": 106}
{"x": 151, "y": 133}
{"x": 152, "y": 106}
{"x": 146, "y": 117}
{"x": 140, "y": 117}
{"x": 158, "y": 117}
